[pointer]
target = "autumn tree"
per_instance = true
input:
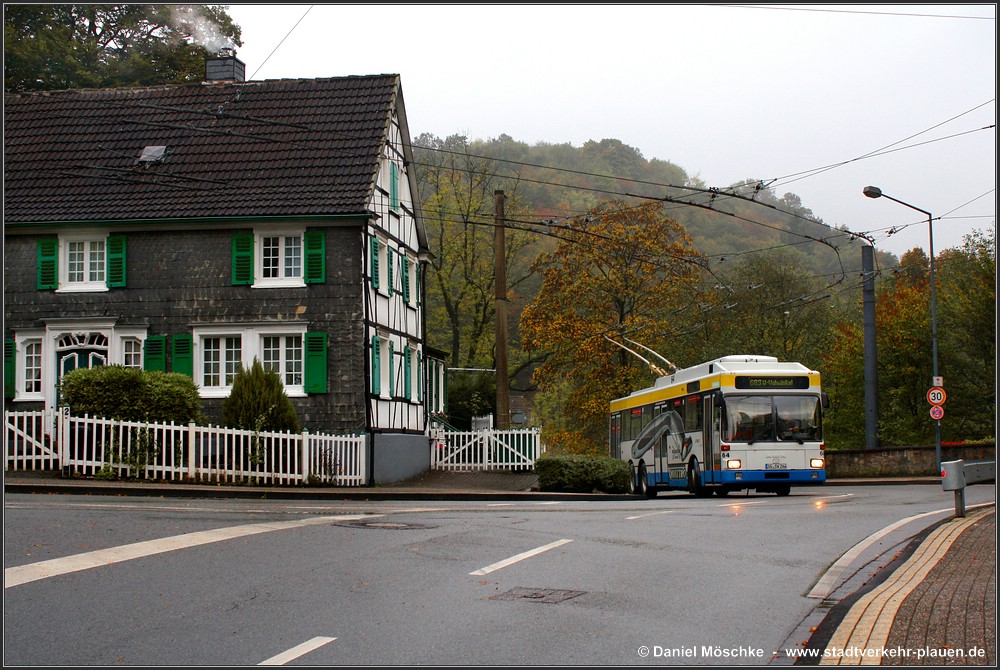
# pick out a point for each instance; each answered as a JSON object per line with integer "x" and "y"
{"x": 51, "y": 47}
{"x": 619, "y": 270}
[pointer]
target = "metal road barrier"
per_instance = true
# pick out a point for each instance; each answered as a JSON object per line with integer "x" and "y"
{"x": 956, "y": 475}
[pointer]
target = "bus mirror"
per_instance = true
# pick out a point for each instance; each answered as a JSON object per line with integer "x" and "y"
{"x": 825, "y": 399}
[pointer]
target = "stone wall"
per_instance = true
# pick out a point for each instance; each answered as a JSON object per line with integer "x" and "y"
{"x": 901, "y": 461}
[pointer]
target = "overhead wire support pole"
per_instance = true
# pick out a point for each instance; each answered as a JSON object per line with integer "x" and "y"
{"x": 500, "y": 279}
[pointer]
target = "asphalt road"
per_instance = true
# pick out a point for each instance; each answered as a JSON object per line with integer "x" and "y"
{"x": 677, "y": 580}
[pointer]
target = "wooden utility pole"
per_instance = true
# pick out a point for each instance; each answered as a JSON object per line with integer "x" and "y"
{"x": 500, "y": 279}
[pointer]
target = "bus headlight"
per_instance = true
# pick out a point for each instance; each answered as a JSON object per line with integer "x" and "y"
{"x": 734, "y": 464}
{"x": 815, "y": 462}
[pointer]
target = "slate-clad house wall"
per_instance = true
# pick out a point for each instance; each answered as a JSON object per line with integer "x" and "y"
{"x": 192, "y": 228}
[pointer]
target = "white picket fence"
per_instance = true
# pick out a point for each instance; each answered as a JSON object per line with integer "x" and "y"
{"x": 46, "y": 440}
{"x": 489, "y": 449}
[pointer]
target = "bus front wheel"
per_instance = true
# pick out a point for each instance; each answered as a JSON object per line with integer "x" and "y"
{"x": 694, "y": 481}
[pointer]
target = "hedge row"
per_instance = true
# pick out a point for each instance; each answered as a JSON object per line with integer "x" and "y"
{"x": 582, "y": 474}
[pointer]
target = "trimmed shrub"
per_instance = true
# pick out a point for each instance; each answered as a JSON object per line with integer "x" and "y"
{"x": 258, "y": 402}
{"x": 131, "y": 394}
{"x": 582, "y": 474}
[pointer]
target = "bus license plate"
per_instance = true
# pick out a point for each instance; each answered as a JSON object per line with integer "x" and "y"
{"x": 775, "y": 466}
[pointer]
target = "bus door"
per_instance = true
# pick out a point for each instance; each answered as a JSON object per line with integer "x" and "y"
{"x": 711, "y": 437}
{"x": 660, "y": 449}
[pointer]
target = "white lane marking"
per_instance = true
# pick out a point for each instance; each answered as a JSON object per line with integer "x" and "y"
{"x": 520, "y": 557}
{"x": 639, "y": 516}
{"x": 741, "y": 504}
{"x": 298, "y": 650}
{"x": 23, "y": 574}
{"x": 500, "y": 504}
{"x": 551, "y": 502}
{"x": 825, "y": 584}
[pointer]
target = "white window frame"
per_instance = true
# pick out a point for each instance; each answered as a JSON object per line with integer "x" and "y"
{"x": 26, "y": 340}
{"x": 283, "y": 279}
{"x": 251, "y": 347}
{"x": 87, "y": 239}
{"x": 132, "y": 355}
{"x": 286, "y": 365}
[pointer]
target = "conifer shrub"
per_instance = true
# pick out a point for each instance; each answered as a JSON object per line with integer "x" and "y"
{"x": 258, "y": 402}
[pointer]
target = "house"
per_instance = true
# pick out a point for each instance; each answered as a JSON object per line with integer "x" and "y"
{"x": 194, "y": 228}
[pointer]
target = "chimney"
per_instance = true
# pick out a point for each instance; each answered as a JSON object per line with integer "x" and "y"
{"x": 225, "y": 67}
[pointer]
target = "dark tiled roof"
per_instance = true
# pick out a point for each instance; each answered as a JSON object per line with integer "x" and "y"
{"x": 258, "y": 148}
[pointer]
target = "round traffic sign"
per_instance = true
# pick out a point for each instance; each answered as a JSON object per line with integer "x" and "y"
{"x": 937, "y": 412}
{"x": 936, "y": 395}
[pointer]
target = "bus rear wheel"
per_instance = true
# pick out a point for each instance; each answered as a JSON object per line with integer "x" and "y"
{"x": 633, "y": 486}
{"x": 644, "y": 488}
{"x": 783, "y": 490}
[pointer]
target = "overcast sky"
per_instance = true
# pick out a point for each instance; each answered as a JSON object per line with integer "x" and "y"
{"x": 898, "y": 96}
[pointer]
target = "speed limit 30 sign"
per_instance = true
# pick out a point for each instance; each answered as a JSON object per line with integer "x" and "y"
{"x": 936, "y": 396}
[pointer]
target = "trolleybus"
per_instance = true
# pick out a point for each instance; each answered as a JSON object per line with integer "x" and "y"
{"x": 734, "y": 423}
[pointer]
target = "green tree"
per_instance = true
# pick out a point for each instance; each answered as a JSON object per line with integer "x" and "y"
{"x": 767, "y": 303}
{"x": 620, "y": 269}
{"x": 966, "y": 282}
{"x": 967, "y": 310}
{"x": 51, "y": 47}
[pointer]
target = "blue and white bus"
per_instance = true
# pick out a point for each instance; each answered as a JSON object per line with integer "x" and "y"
{"x": 738, "y": 422}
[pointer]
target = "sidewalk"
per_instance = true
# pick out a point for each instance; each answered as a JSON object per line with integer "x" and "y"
{"x": 934, "y": 605}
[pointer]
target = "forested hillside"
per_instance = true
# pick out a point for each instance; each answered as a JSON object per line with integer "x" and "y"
{"x": 599, "y": 240}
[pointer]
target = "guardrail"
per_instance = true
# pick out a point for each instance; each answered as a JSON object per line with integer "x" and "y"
{"x": 956, "y": 475}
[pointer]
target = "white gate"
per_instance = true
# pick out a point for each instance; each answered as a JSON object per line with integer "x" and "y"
{"x": 30, "y": 440}
{"x": 491, "y": 449}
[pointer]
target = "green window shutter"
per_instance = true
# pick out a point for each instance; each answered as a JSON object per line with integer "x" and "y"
{"x": 48, "y": 264}
{"x": 392, "y": 368}
{"x": 115, "y": 277}
{"x": 405, "y": 267}
{"x": 243, "y": 259}
{"x": 376, "y": 366}
{"x": 420, "y": 376}
{"x": 315, "y": 363}
{"x": 389, "y": 261}
{"x": 182, "y": 354}
{"x": 407, "y": 373}
{"x": 416, "y": 282}
{"x": 394, "y": 187}
{"x": 9, "y": 361}
{"x": 154, "y": 353}
{"x": 314, "y": 242}
{"x": 374, "y": 262}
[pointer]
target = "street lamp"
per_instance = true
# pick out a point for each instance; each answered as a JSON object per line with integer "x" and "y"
{"x": 876, "y": 192}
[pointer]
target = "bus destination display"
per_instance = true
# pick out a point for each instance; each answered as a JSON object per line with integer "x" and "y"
{"x": 757, "y": 382}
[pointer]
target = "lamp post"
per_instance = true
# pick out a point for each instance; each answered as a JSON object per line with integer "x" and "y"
{"x": 876, "y": 192}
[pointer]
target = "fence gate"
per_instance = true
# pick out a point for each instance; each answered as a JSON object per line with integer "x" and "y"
{"x": 30, "y": 440}
{"x": 491, "y": 449}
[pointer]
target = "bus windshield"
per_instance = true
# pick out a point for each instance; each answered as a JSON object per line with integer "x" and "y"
{"x": 772, "y": 418}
